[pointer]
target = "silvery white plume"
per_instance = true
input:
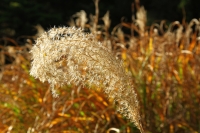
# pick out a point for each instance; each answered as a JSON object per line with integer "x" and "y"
{"x": 70, "y": 56}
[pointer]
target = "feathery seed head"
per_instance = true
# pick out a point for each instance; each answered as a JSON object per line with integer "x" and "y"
{"x": 67, "y": 55}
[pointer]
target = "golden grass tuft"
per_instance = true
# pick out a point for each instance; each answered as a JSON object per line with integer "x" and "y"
{"x": 164, "y": 61}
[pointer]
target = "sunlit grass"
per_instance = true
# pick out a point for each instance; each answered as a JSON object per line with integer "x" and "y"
{"x": 165, "y": 66}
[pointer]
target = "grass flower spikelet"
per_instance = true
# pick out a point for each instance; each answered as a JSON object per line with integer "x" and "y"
{"x": 67, "y": 55}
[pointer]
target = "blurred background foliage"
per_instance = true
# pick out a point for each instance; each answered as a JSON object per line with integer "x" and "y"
{"x": 162, "y": 56}
{"x": 19, "y": 16}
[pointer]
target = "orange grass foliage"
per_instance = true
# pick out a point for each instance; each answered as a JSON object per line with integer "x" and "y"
{"x": 165, "y": 66}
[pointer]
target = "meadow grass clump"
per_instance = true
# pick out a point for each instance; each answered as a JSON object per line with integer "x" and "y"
{"x": 164, "y": 61}
{"x": 67, "y": 55}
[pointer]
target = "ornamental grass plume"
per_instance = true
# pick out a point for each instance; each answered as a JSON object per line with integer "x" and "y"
{"x": 67, "y": 55}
